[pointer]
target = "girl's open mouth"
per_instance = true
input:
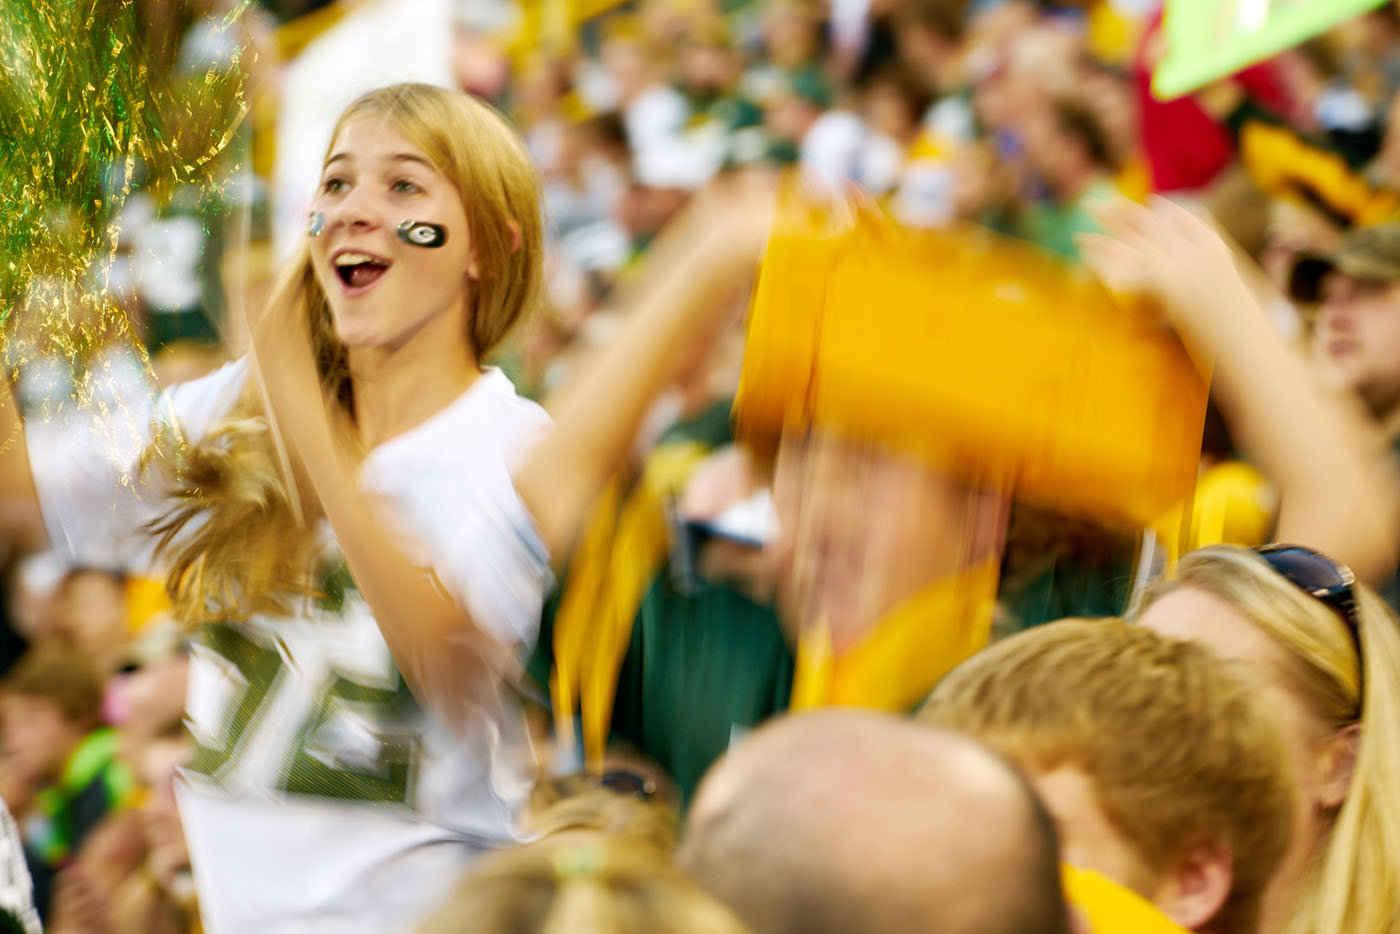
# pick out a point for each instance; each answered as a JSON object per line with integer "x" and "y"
{"x": 359, "y": 270}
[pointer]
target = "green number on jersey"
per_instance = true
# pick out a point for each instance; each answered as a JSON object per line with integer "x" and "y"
{"x": 368, "y": 717}
{"x": 260, "y": 668}
{"x": 314, "y": 768}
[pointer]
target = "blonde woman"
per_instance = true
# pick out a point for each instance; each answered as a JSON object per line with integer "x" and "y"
{"x": 361, "y": 623}
{"x": 1322, "y": 646}
{"x": 1325, "y": 651}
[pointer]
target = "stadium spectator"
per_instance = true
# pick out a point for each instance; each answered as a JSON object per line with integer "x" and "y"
{"x": 1323, "y": 652}
{"x": 850, "y": 821}
{"x": 1162, "y": 771}
{"x": 54, "y": 739}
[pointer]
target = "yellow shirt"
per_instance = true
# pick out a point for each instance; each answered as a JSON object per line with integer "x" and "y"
{"x": 1112, "y": 909}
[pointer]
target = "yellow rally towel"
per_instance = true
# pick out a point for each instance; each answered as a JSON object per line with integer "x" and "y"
{"x": 982, "y": 355}
{"x": 1112, "y": 909}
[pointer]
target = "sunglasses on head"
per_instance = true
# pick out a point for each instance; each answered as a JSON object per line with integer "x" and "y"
{"x": 618, "y": 781}
{"x": 1322, "y": 578}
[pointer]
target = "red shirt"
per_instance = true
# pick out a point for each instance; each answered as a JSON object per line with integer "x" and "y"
{"x": 1184, "y": 146}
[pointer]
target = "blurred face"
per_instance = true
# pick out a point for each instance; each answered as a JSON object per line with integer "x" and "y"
{"x": 862, "y": 530}
{"x": 926, "y": 52}
{"x": 627, "y": 66}
{"x": 539, "y": 89}
{"x": 90, "y": 616}
{"x": 37, "y": 736}
{"x": 386, "y": 294}
{"x": 1001, "y": 100}
{"x": 708, "y": 68}
{"x": 149, "y": 699}
{"x": 790, "y": 35}
{"x": 975, "y": 181}
{"x": 1357, "y": 338}
{"x": 1088, "y": 839}
{"x": 1051, "y": 152}
{"x": 478, "y": 65}
{"x": 888, "y": 111}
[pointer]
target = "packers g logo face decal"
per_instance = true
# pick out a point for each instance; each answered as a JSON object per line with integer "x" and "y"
{"x": 421, "y": 233}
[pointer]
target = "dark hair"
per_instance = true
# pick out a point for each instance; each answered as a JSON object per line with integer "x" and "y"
{"x": 912, "y": 90}
{"x": 68, "y": 680}
{"x": 1081, "y": 123}
{"x": 945, "y": 18}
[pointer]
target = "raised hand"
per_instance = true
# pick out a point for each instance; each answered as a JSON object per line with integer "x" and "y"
{"x": 1167, "y": 253}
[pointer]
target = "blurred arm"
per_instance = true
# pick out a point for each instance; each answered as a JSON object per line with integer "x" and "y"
{"x": 20, "y": 520}
{"x": 688, "y": 279}
{"x": 444, "y": 656}
{"x": 1338, "y": 488}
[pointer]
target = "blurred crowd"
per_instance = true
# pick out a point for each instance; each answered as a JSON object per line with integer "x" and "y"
{"x": 1027, "y": 120}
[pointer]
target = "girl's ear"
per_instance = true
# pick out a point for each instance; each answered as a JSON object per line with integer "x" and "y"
{"x": 517, "y": 240}
{"x": 1336, "y": 764}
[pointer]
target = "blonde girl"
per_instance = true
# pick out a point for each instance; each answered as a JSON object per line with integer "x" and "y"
{"x": 1330, "y": 666}
{"x": 360, "y": 519}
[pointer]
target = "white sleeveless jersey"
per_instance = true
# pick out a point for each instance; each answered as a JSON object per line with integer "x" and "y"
{"x": 320, "y": 796}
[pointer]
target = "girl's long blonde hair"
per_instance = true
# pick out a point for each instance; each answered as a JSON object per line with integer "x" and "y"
{"x": 1353, "y": 884}
{"x": 251, "y": 554}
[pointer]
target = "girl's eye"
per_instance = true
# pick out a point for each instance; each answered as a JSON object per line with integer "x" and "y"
{"x": 333, "y": 186}
{"x": 404, "y": 187}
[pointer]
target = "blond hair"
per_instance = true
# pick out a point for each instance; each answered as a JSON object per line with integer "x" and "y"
{"x": 646, "y": 820}
{"x": 581, "y": 881}
{"x": 251, "y": 554}
{"x": 1173, "y": 746}
{"x": 1354, "y": 881}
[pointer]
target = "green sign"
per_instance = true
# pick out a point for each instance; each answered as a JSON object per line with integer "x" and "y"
{"x": 1210, "y": 39}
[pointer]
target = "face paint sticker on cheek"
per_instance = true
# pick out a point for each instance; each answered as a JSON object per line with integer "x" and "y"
{"x": 421, "y": 233}
{"x": 316, "y": 223}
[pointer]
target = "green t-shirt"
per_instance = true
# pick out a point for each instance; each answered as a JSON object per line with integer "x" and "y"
{"x": 93, "y": 783}
{"x": 700, "y": 671}
{"x": 1054, "y": 226}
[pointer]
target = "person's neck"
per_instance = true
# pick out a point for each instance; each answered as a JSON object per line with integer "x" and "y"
{"x": 398, "y": 388}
